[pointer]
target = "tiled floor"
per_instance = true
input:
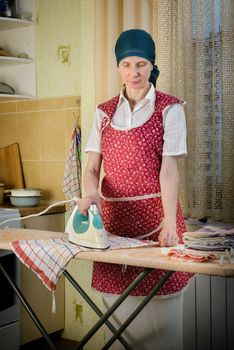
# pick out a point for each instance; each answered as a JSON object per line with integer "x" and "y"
{"x": 60, "y": 344}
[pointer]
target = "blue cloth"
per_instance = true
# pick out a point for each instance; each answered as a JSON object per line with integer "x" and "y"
{"x": 137, "y": 42}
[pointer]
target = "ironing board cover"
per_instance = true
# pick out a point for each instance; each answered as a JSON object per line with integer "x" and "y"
{"x": 132, "y": 161}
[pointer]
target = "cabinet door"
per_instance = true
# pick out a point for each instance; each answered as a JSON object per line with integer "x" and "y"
{"x": 50, "y": 222}
{"x": 37, "y": 295}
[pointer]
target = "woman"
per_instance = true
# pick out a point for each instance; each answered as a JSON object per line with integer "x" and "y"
{"x": 138, "y": 135}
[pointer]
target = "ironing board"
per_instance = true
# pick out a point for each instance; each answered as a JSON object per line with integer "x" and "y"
{"x": 147, "y": 257}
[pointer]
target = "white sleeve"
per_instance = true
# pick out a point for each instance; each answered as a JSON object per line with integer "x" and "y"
{"x": 174, "y": 131}
{"x": 94, "y": 140}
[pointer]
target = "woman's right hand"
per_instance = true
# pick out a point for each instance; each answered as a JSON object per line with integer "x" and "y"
{"x": 84, "y": 203}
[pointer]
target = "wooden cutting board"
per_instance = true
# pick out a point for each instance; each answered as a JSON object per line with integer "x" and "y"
{"x": 11, "y": 171}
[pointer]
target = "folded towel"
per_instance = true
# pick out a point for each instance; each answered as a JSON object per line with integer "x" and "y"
{"x": 212, "y": 238}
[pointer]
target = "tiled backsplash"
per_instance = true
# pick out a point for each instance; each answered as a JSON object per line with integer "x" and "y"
{"x": 43, "y": 131}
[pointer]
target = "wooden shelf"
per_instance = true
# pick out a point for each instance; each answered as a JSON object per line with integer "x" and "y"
{"x": 7, "y": 23}
{"x": 7, "y": 97}
{"x": 14, "y": 60}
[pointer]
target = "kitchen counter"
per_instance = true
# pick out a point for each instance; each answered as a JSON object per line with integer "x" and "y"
{"x": 24, "y": 211}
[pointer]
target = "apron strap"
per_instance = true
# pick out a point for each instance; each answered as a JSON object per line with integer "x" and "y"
{"x": 128, "y": 199}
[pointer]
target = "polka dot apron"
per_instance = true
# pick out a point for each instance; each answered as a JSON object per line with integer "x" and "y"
{"x": 131, "y": 201}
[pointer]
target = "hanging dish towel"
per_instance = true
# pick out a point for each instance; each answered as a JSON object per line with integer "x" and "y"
{"x": 72, "y": 175}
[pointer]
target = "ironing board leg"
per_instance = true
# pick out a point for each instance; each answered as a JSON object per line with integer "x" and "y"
{"x": 116, "y": 304}
{"x": 139, "y": 308}
{"x": 28, "y": 308}
{"x": 95, "y": 308}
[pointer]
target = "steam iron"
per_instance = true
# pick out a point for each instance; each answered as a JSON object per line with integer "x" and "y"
{"x": 87, "y": 231}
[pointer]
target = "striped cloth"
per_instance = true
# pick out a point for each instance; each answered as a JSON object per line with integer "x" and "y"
{"x": 49, "y": 258}
{"x": 72, "y": 174}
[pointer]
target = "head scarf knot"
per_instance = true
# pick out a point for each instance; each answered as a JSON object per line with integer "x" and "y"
{"x": 137, "y": 42}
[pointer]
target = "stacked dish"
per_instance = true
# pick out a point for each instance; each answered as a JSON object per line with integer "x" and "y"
{"x": 25, "y": 197}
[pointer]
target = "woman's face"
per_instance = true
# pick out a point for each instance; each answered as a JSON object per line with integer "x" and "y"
{"x": 135, "y": 72}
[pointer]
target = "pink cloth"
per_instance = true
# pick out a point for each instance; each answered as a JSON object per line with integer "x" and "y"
{"x": 190, "y": 255}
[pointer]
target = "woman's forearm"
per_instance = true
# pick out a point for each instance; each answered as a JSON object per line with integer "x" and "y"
{"x": 169, "y": 181}
{"x": 91, "y": 183}
{"x": 92, "y": 174}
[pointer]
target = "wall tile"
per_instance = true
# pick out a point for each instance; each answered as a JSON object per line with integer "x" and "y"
{"x": 52, "y": 134}
{"x": 27, "y": 105}
{"x": 7, "y": 107}
{"x": 8, "y": 131}
{"x": 51, "y": 103}
{"x": 52, "y": 173}
{"x": 28, "y": 135}
{"x": 72, "y": 101}
{"x": 32, "y": 176}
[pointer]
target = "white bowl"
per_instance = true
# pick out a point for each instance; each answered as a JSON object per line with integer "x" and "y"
{"x": 25, "y": 192}
{"x": 30, "y": 201}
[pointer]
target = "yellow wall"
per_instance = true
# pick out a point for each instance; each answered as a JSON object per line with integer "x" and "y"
{"x": 79, "y": 317}
{"x": 67, "y": 22}
{"x": 56, "y": 79}
{"x": 58, "y": 24}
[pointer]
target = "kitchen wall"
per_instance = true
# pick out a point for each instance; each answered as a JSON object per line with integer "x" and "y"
{"x": 43, "y": 129}
{"x": 43, "y": 126}
{"x": 59, "y": 24}
{"x": 79, "y": 317}
{"x": 68, "y": 23}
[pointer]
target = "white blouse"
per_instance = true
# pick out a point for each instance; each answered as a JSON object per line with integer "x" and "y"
{"x": 174, "y": 123}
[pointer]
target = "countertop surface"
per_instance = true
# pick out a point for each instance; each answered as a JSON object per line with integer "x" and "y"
{"x": 24, "y": 211}
{"x": 144, "y": 256}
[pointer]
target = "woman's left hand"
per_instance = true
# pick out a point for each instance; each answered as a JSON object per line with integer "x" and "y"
{"x": 168, "y": 236}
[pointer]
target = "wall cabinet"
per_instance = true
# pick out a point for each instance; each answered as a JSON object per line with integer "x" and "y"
{"x": 17, "y": 36}
{"x": 37, "y": 295}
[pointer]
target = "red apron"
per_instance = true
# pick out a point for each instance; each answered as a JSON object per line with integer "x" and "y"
{"x": 132, "y": 161}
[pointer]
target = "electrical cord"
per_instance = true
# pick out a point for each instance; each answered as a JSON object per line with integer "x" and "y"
{"x": 42, "y": 212}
